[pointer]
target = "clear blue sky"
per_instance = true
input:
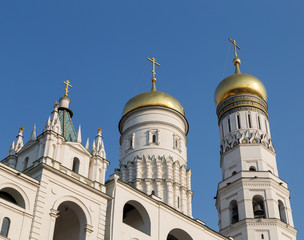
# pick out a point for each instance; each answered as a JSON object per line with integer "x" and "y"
{"x": 101, "y": 47}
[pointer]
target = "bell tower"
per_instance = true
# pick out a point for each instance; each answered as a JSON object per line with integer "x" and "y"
{"x": 252, "y": 201}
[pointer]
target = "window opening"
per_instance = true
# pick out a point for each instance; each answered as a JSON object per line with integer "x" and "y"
{"x": 259, "y": 123}
{"x": 249, "y": 121}
{"x": 258, "y": 207}
{"x": 222, "y": 130}
{"x": 238, "y": 121}
{"x": 262, "y": 236}
{"x": 233, "y": 173}
{"x": 154, "y": 138}
{"x": 229, "y": 126}
{"x": 75, "y": 167}
{"x": 5, "y": 227}
{"x": 266, "y": 126}
{"x": 177, "y": 202}
{"x": 282, "y": 212}
{"x": 252, "y": 168}
{"x": 234, "y": 212}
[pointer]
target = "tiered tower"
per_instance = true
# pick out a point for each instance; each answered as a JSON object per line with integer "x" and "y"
{"x": 153, "y": 152}
{"x": 252, "y": 201}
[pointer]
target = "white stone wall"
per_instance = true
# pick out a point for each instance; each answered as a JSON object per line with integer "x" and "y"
{"x": 163, "y": 219}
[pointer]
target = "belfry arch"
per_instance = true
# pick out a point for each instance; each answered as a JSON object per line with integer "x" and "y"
{"x": 70, "y": 223}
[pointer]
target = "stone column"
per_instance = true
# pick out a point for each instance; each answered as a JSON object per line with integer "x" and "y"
{"x": 53, "y": 216}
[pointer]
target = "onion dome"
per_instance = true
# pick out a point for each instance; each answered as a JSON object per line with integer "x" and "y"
{"x": 153, "y": 98}
{"x": 239, "y": 83}
{"x": 240, "y": 92}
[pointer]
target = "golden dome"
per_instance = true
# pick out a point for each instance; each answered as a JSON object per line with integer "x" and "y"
{"x": 153, "y": 98}
{"x": 239, "y": 83}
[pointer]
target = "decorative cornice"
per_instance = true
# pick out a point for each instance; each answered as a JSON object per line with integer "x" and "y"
{"x": 249, "y": 136}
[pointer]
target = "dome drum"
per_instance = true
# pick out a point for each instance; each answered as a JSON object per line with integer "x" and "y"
{"x": 241, "y": 102}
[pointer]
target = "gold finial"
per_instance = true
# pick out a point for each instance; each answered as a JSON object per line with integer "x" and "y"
{"x": 21, "y": 128}
{"x": 67, "y": 83}
{"x": 153, "y": 60}
{"x": 56, "y": 104}
{"x": 236, "y": 60}
{"x": 99, "y": 130}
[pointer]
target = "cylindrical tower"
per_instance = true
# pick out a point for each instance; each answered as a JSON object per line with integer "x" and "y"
{"x": 153, "y": 148}
{"x": 252, "y": 201}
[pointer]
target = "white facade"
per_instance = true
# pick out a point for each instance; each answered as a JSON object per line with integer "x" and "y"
{"x": 53, "y": 187}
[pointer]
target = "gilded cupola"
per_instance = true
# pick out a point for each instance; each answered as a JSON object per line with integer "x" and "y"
{"x": 153, "y": 98}
{"x": 240, "y": 91}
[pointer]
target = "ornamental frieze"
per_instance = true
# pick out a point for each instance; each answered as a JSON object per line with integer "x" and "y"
{"x": 246, "y": 137}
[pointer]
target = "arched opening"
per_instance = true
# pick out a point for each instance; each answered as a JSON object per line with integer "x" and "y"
{"x": 234, "y": 212}
{"x": 178, "y": 234}
{"x": 252, "y": 168}
{"x": 75, "y": 167}
{"x": 13, "y": 196}
{"x": 6, "y": 222}
{"x": 258, "y": 207}
{"x": 282, "y": 212}
{"x": 136, "y": 216}
{"x": 71, "y": 222}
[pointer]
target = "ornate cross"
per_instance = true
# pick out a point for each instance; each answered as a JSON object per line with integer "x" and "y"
{"x": 67, "y": 83}
{"x": 153, "y": 60}
{"x": 235, "y": 46}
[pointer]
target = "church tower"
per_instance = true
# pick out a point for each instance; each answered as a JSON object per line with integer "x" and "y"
{"x": 153, "y": 147}
{"x": 252, "y": 201}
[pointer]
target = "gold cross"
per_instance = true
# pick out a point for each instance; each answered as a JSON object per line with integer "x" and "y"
{"x": 153, "y": 60}
{"x": 235, "y": 46}
{"x": 67, "y": 83}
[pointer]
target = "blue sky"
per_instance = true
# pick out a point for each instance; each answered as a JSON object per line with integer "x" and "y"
{"x": 102, "y": 46}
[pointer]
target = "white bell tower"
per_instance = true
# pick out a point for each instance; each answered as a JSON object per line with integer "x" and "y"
{"x": 153, "y": 147}
{"x": 252, "y": 201}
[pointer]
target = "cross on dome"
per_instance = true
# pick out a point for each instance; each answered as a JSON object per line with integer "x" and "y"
{"x": 67, "y": 83}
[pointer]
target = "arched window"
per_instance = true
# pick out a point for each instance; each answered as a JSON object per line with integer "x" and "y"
{"x": 75, "y": 167}
{"x": 6, "y": 222}
{"x": 258, "y": 207}
{"x": 136, "y": 216}
{"x": 25, "y": 163}
{"x": 222, "y": 130}
{"x": 234, "y": 213}
{"x": 13, "y": 196}
{"x": 249, "y": 121}
{"x": 238, "y": 121}
{"x": 229, "y": 125}
{"x": 282, "y": 212}
{"x": 252, "y": 168}
{"x": 178, "y": 234}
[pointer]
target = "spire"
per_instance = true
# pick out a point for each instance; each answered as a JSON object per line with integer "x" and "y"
{"x": 33, "y": 134}
{"x": 98, "y": 147}
{"x": 236, "y": 60}
{"x": 153, "y": 80}
{"x": 79, "y": 134}
{"x": 19, "y": 142}
{"x": 12, "y": 149}
{"x": 87, "y": 144}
